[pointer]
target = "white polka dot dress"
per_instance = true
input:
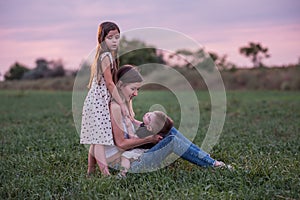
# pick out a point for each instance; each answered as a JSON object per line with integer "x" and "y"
{"x": 96, "y": 124}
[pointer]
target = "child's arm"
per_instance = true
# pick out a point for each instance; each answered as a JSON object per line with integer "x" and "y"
{"x": 136, "y": 122}
{"x": 130, "y": 129}
{"x": 106, "y": 64}
{"x": 111, "y": 85}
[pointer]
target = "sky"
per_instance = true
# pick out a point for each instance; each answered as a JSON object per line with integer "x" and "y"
{"x": 67, "y": 30}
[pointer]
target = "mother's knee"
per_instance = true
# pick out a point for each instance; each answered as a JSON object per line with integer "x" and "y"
{"x": 169, "y": 138}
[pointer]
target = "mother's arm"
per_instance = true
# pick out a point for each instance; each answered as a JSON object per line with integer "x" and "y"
{"x": 118, "y": 132}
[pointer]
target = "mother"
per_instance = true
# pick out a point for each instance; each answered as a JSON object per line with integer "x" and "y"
{"x": 129, "y": 82}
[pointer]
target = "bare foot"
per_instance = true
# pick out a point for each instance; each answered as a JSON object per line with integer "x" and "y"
{"x": 91, "y": 170}
{"x": 219, "y": 164}
{"x": 105, "y": 171}
{"x": 121, "y": 175}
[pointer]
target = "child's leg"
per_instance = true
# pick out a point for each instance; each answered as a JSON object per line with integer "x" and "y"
{"x": 125, "y": 164}
{"x": 99, "y": 154}
{"x": 91, "y": 160}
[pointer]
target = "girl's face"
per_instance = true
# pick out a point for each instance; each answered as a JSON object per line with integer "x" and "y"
{"x": 112, "y": 40}
{"x": 130, "y": 90}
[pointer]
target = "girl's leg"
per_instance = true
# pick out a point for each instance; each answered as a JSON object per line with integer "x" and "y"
{"x": 99, "y": 154}
{"x": 91, "y": 160}
{"x": 152, "y": 159}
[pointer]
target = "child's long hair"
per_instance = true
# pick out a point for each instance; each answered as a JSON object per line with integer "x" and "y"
{"x": 96, "y": 68}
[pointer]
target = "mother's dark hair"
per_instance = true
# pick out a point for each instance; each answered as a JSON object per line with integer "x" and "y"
{"x": 129, "y": 74}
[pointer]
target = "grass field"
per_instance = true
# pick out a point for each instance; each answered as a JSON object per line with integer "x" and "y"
{"x": 41, "y": 157}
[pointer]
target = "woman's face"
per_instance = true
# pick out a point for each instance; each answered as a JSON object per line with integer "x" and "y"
{"x": 112, "y": 40}
{"x": 130, "y": 90}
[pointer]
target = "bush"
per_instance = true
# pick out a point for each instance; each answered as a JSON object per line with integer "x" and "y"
{"x": 15, "y": 72}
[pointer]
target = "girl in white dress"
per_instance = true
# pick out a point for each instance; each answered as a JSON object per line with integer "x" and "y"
{"x": 96, "y": 127}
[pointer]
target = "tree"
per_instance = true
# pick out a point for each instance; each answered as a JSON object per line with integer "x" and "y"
{"x": 39, "y": 71}
{"x": 256, "y": 53}
{"x": 137, "y": 53}
{"x": 15, "y": 72}
{"x": 191, "y": 59}
{"x": 56, "y": 68}
{"x": 221, "y": 62}
{"x": 45, "y": 69}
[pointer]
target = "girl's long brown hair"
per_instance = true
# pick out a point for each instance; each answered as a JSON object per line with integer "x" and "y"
{"x": 96, "y": 68}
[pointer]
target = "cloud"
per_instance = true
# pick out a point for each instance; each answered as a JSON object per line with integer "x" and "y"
{"x": 67, "y": 29}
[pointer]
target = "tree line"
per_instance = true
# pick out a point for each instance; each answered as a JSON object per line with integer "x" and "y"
{"x": 43, "y": 69}
{"x": 137, "y": 52}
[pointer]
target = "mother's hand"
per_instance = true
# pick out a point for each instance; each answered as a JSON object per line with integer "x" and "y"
{"x": 154, "y": 138}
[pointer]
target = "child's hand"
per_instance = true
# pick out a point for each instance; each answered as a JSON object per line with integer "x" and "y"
{"x": 131, "y": 119}
{"x": 136, "y": 122}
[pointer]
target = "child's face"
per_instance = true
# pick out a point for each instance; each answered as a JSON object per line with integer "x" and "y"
{"x": 148, "y": 118}
{"x": 112, "y": 40}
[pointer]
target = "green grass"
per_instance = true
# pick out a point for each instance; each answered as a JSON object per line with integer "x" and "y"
{"x": 41, "y": 157}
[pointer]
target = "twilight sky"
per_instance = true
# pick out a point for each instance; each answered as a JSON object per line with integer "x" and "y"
{"x": 61, "y": 29}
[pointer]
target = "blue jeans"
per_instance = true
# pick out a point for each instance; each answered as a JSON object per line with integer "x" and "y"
{"x": 176, "y": 143}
